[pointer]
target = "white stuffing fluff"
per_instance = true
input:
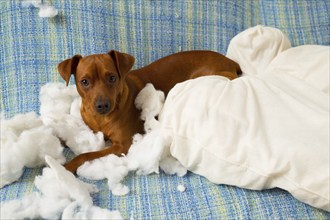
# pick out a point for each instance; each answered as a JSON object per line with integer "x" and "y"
{"x": 146, "y": 152}
{"x": 59, "y": 192}
{"x": 45, "y": 10}
{"x": 151, "y": 151}
{"x": 56, "y": 100}
{"x": 24, "y": 142}
{"x": 181, "y": 188}
{"x": 110, "y": 167}
{"x": 150, "y": 101}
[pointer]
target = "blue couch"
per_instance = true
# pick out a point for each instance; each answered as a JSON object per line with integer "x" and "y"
{"x": 31, "y": 47}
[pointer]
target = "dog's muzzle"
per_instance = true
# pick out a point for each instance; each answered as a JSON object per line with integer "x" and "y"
{"x": 102, "y": 106}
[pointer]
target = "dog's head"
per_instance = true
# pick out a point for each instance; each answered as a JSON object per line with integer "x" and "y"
{"x": 100, "y": 79}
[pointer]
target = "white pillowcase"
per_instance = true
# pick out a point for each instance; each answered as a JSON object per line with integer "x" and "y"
{"x": 258, "y": 131}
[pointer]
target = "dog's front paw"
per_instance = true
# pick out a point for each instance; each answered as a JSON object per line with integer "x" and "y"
{"x": 71, "y": 166}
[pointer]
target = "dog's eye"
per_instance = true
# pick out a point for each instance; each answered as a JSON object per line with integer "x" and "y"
{"x": 84, "y": 83}
{"x": 112, "y": 79}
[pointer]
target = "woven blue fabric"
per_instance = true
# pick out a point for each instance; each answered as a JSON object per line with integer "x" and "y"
{"x": 31, "y": 47}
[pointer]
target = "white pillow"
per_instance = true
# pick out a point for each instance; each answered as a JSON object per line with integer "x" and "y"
{"x": 269, "y": 128}
{"x": 252, "y": 133}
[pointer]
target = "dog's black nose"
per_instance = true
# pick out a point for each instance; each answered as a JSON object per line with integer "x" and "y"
{"x": 102, "y": 106}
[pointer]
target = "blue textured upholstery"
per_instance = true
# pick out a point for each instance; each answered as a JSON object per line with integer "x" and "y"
{"x": 31, "y": 47}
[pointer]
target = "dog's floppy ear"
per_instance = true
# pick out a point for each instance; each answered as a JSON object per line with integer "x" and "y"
{"x": 123, "y": 61}
{"x": 68, "y": 67}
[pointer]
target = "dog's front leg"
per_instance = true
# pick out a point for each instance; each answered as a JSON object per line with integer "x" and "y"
{"x": 76, "y": 162}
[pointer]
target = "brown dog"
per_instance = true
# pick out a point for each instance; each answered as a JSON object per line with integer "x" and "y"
{"x": 108, "y": 89}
